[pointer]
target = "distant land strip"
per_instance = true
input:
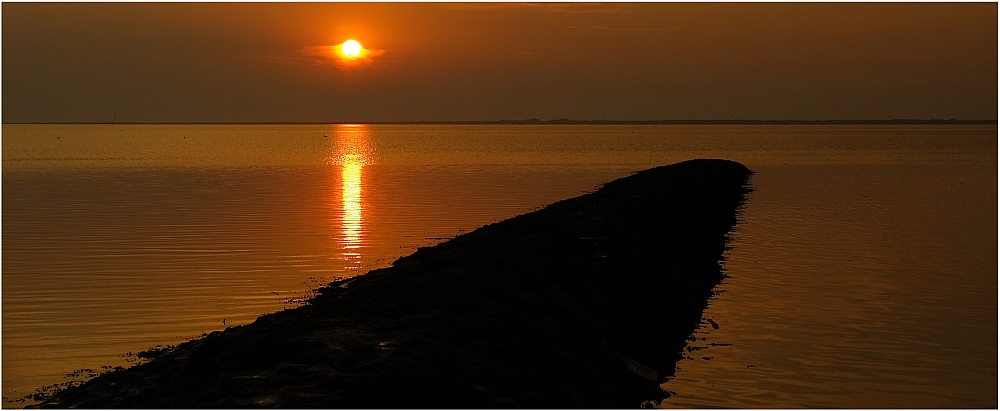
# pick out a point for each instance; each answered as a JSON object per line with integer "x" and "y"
{"x": 600, "y": 122}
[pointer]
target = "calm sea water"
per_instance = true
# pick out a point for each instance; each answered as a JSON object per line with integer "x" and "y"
{"x": 863, "y": 273}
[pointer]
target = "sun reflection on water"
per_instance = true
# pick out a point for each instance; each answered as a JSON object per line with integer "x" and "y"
{"x": 352, "y": 151}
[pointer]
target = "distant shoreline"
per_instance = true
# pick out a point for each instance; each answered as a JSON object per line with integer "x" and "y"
{"x": 589, "y": 122}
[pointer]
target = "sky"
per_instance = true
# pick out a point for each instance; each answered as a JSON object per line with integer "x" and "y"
{"x": 276, "y": 62}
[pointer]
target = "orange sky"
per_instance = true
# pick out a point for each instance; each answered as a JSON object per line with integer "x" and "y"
{"x": 225, "y": 62}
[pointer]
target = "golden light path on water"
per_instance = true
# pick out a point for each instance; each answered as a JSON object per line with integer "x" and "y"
{"x": 351, "y": 215}
{"x": 352, "y": 153}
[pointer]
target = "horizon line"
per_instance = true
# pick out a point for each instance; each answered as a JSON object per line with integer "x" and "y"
{"x": 567, "y": 121}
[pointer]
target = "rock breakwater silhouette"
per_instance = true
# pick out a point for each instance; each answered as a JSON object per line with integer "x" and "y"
{"x": 586, "y": 303}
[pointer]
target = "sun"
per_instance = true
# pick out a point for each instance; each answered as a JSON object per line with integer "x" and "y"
{"x": 351, "y": 48}
{"x": 350, "y": 53}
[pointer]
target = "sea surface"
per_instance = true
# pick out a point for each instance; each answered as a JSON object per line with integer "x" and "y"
{"x": 863, "y": 272}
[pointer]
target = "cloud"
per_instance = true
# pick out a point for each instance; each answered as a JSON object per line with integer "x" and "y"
{"x": 306, "y": 57}
{"x": 547, "y": 7}
{"x": 325, "y": 56}
{"x": 580, "y": 7}
{"x": 485, "y": 6}
{"x": 658, "y": 28}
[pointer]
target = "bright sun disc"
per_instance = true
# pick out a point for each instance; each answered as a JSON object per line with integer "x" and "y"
{"x": 351, "y": 48}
